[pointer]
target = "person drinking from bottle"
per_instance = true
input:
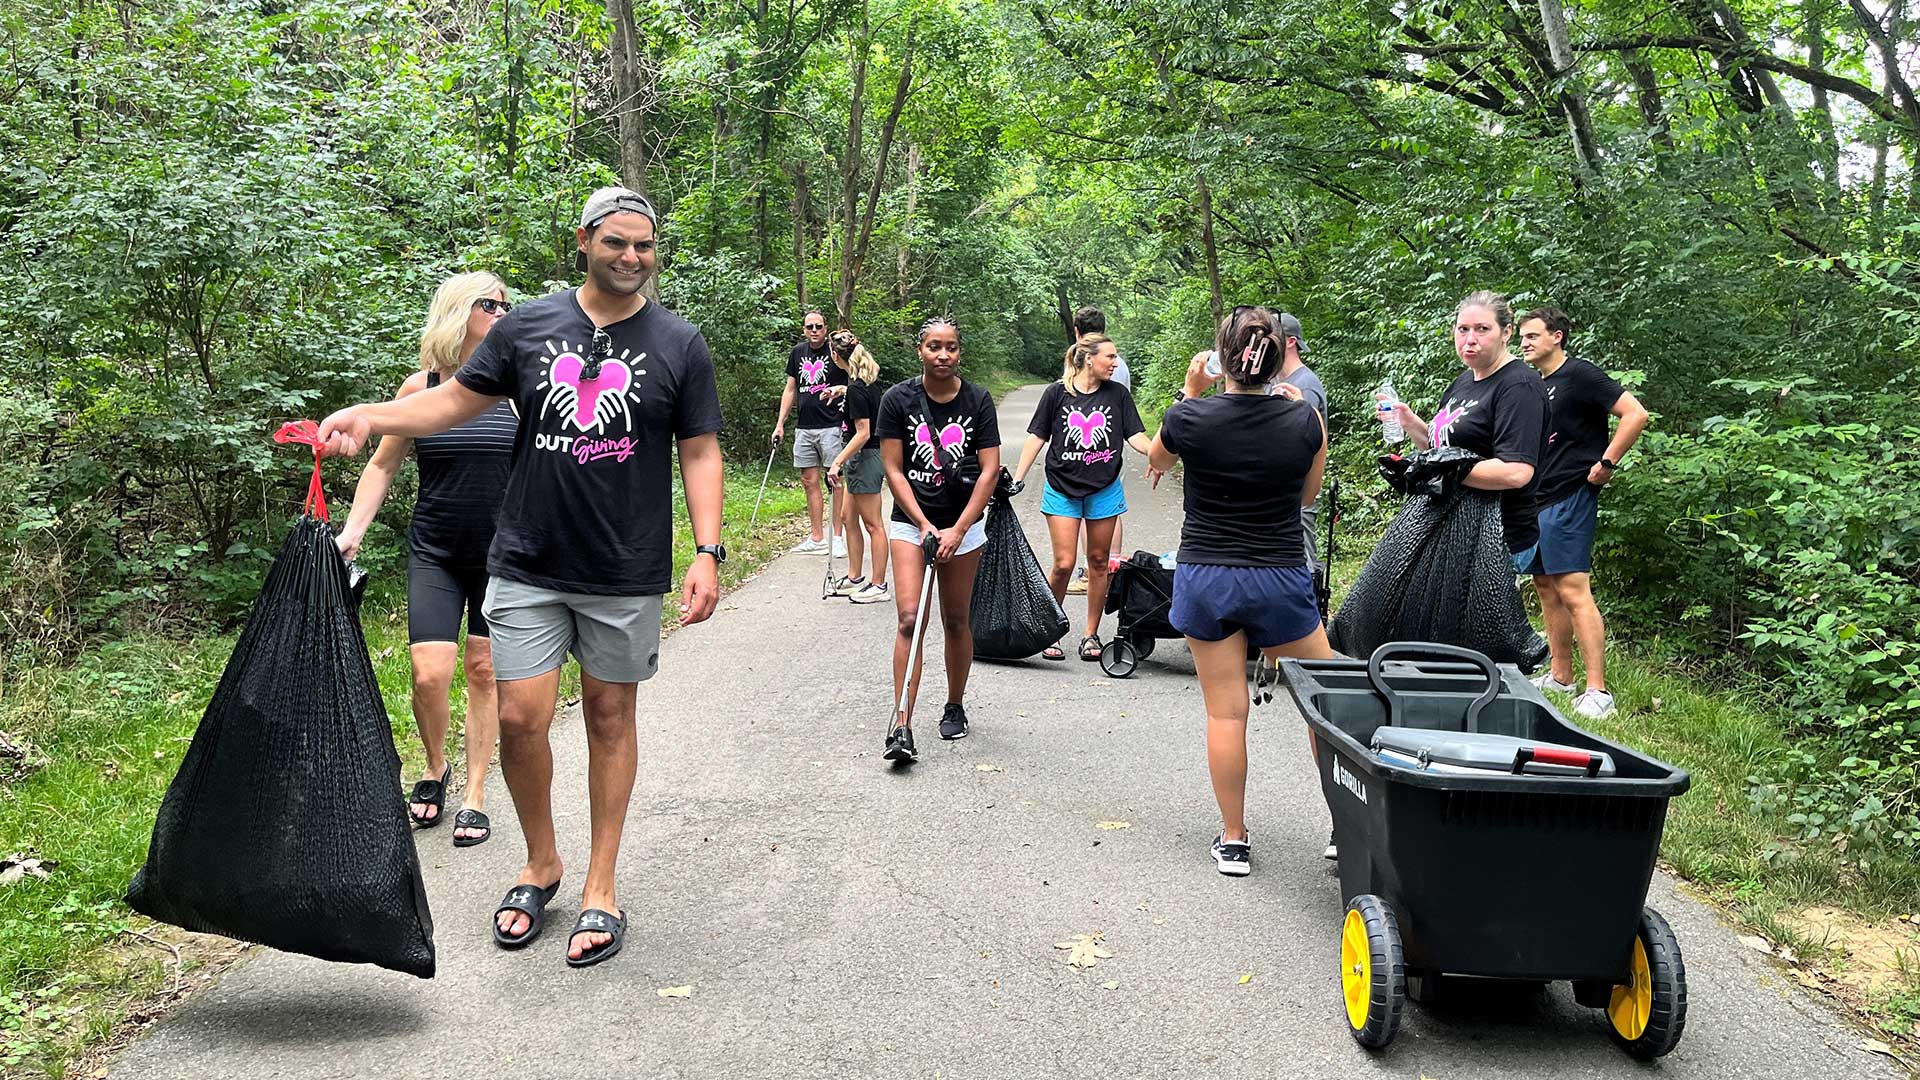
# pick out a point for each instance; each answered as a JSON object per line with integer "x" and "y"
{"x": 1082, "y": 422}
{"x": 463, "y": 477}
{"x": 940, "y": 442}
{"x": 858, "y": 465}
{"x": 1252, "y": 461}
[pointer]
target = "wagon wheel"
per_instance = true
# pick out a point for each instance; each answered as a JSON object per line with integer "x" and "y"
{"x": 1647, "y": 1014}
{"x": 1142, "y": 644}
{"x": 1373, "y": 976}
{"x": 1119, "y": 659}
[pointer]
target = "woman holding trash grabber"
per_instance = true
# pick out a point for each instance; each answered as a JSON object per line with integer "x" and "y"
{"x": 1081, "y": 422}
{"x": 858, "y": 463}
{"x": 1242, "y": 578}
{"x": 463, "y": 478}
{"x": 940, "y": 441}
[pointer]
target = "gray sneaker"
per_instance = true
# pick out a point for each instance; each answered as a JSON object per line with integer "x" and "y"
{"x": 1546, "y": 681}
{"x": 809, "y": 546}
{"x": 847, "y": 586}
{"x": 872, "y": 594}
{"x": 1594, "y": 705}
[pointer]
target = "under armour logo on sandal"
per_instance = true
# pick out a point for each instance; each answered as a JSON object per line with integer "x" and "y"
{"x": 593, "y": 919}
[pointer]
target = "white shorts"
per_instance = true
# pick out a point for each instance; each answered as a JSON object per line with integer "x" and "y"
{"x": 908, "y": 533}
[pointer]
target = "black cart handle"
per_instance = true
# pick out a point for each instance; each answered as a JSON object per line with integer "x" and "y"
{"x": 1391, "y": 649}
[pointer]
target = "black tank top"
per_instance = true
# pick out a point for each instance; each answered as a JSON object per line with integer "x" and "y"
{"x": 463, "y": 479}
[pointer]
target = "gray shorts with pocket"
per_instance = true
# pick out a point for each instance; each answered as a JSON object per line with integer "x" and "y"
{"x": 864, "y": 473}
{"x": 615, "y": 638}
{"x": 816, "y": 447}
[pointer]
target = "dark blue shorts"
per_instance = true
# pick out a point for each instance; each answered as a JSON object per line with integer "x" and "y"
{"x": 1273, "y": 604}
{"x": 1566, "y": 534}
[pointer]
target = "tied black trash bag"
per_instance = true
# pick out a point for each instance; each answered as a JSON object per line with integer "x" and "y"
{"x": 285, "y": 825}
{"x": 1013, "y": 610}
{"x": 1441, "y": 573}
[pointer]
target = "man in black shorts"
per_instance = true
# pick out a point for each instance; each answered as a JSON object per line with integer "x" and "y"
{"x": 1580, "y": 460}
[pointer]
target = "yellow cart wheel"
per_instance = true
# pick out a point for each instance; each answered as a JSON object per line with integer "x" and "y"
{"x": 1373, "y": 971}
{"x": 1647, "y": 1014}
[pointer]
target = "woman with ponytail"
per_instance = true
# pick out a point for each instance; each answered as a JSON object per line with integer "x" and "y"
{"x": 1082, "y": 421}
{"x": 858, "y": 463}
{"x": 1242, "y": 577}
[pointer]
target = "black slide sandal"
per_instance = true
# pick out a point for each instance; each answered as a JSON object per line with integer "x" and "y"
{"x": 434, "y": 794}
{"x": 529, "y": 900}
{"x": 472, "y": 819}
{"x": 595, "y": 921}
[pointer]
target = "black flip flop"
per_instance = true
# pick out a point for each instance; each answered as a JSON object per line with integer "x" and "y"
{"x": 472, "y": 819}
{"x": 434, "y": 794}
{"x": 529, "y": 900}
{"x": 595, "y": 921}
{"x": 1090, "y": 640}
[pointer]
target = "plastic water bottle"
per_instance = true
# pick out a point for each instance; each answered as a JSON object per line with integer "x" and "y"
{"x": 1213, "y": 363}
{"x": 1384, "y": 400}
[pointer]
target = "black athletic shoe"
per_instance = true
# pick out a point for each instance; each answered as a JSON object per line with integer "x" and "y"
{"x": 1233, "y": 858}
{"x": 900, "y": 745}
{"x": 953, "y": 722}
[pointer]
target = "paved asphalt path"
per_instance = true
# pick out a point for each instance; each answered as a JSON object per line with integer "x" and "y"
{"x": 837, "y": 918}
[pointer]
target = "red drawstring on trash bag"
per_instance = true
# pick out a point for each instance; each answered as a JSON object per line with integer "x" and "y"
{"x": 307, "y": 433}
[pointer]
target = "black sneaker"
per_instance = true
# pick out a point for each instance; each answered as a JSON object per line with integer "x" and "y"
{"x": 1233, "y": 858}
{"x": 900, "y": 745}
{"x": 953, "y": 722}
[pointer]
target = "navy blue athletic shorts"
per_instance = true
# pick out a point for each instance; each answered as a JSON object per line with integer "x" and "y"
{"x": 1273, "y": 604}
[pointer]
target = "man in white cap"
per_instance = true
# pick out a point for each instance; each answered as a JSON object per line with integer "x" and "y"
{"x": 605, "y": 383}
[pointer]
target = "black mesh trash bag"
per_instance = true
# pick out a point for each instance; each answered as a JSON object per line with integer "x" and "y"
{"x": 285, "y": 825}
{"x": 1441, "y": 573}
{"x": 1013, "y": 611}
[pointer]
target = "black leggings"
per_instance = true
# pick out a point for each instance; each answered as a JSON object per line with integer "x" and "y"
{"x": 437, "y": 592}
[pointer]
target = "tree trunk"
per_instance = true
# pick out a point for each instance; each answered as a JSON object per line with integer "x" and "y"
{"x": 1822, "y": 107}
{"x": 1646, "y": 94}
{"x": 516, "y": 72}
{"x": 1066, "y": 308}
{"x": 1573, "y": 100}
{"x": 901, "y": 270}
{"x": 853, "y": 265}
{"x": 1206, "y": 241}
{"x": 801, "y": 203}
{"x": 850, "y": 168}
{"x": 1736, "y": 32}
{"x": 632, "y": 91}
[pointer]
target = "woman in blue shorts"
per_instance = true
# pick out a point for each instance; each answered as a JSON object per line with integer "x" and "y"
{"x": 1252, "y": 461}
{"x": 1082, "y": 421}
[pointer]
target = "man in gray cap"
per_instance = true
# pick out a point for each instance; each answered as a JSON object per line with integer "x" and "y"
{"x": 605, "y": 383}
{"x": 1295, "y": 371}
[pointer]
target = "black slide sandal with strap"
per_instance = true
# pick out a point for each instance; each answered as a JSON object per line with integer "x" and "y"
{"x": 434, "y": 794}
{"x": 528, "y": 900}
{"x": 595, "y": 921}
{"x": 472, "y": 819}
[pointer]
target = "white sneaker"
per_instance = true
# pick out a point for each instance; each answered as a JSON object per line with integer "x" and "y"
{"x": 846, "y": 586}
{"x": 872, "y": 594}
{"x": 1595, "y": 705}
{"x": 1546, "y": 681}
{"x": 839, "y": 547}
{"x": 809, "y": 546}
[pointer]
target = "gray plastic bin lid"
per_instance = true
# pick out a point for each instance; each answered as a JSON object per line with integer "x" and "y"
{"x": 1463, "y": 751}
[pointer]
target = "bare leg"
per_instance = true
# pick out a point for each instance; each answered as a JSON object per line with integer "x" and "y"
{"x": 1583, "y": 614}
{"x": 1100, "y": 536}
{"x": 954, "y": 580}
{"x": 432, "y": 710}
{"x": 909, "y": 570}
{"x": 1553, "y": 612}
{"x": 526, "y": 762}
{"x": 613, "y": 756}
{"x": 483, "y": 726}
{"x": 850, "y": 525}
{"x": 1065, "y": 534}
{"x": 1222, "y": 667}
{"x": 810, "y": 483}
{"x": 868, "y": 507}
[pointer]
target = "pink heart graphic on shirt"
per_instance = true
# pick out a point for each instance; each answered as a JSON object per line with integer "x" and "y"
{"x": 813, "y": 369}
{"x": 588, "y": 393}
{"x": 923, "y": 436}
{"x": 1087, "y": 426}
{"x": 952, "y": 438}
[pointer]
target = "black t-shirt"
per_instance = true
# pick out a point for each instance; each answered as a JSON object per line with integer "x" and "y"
{"x": 1501, "y": 416}
{"x": 1086, "y": 435}
{"x": 589, "y": 506}
{"x": 813, "y": 373}
{"x": 1246, "y": 458}
{"x": 1580, "y": 398}
{"x": 953, "y": 435}
{"x": 862, "y": 403}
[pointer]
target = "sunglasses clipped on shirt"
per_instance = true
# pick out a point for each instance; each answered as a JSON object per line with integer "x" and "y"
{"x": 600, "y": 352}
{"x": 493, "y": 307}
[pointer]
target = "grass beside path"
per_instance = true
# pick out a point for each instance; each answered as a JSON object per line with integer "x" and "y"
{"x": 112, "y": 726}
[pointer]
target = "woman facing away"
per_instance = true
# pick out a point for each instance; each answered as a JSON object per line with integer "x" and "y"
{"x": 859, "y": 464}
{"x": 940, "y": 441}
{"x": 1082, "y": 422}
{"x": 1242, "y": 576}
{"x": 463, "y": 478}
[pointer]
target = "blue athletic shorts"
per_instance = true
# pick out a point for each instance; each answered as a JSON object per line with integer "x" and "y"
{"x": 1566, "y": 534}
{"x": 1273, "y": 604}
{"x": 1109, "y": 501}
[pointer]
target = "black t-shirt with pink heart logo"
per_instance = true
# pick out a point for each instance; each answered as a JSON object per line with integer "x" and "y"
{"x": 1501, "y": 416}
{"x": 938, "y": 443}
{"x": 814, "y": 374}
{"x": 1086, "y": 435}
{"x": 589, "y": 501}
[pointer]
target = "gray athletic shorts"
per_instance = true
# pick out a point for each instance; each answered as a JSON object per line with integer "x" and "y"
{"x": 815, "y": 448}
{"x": 615, "y": 638}
{"x": 864, "y": 473}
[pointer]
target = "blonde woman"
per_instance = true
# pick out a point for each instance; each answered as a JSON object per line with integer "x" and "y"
{"x": 859, "y": 463}
{"x": 463, "y": 477}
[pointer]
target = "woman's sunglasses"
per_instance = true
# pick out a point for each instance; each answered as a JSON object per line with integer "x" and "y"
{"x": 493, "y": 307}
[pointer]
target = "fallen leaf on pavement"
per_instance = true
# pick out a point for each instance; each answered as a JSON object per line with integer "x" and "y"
{"x": 1161, "y": 921}
{"x": 1246, "y": 978}
{"x": 675, "y": 991}
{"x": 1114, "y": 825}
{"x": 1875, "y": 1046}
{"x": 1757, "y": 944}
{"x": 988, "y": 768}
{"x": 1085, "y": 950}
{"x": 1111, "y": 985}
